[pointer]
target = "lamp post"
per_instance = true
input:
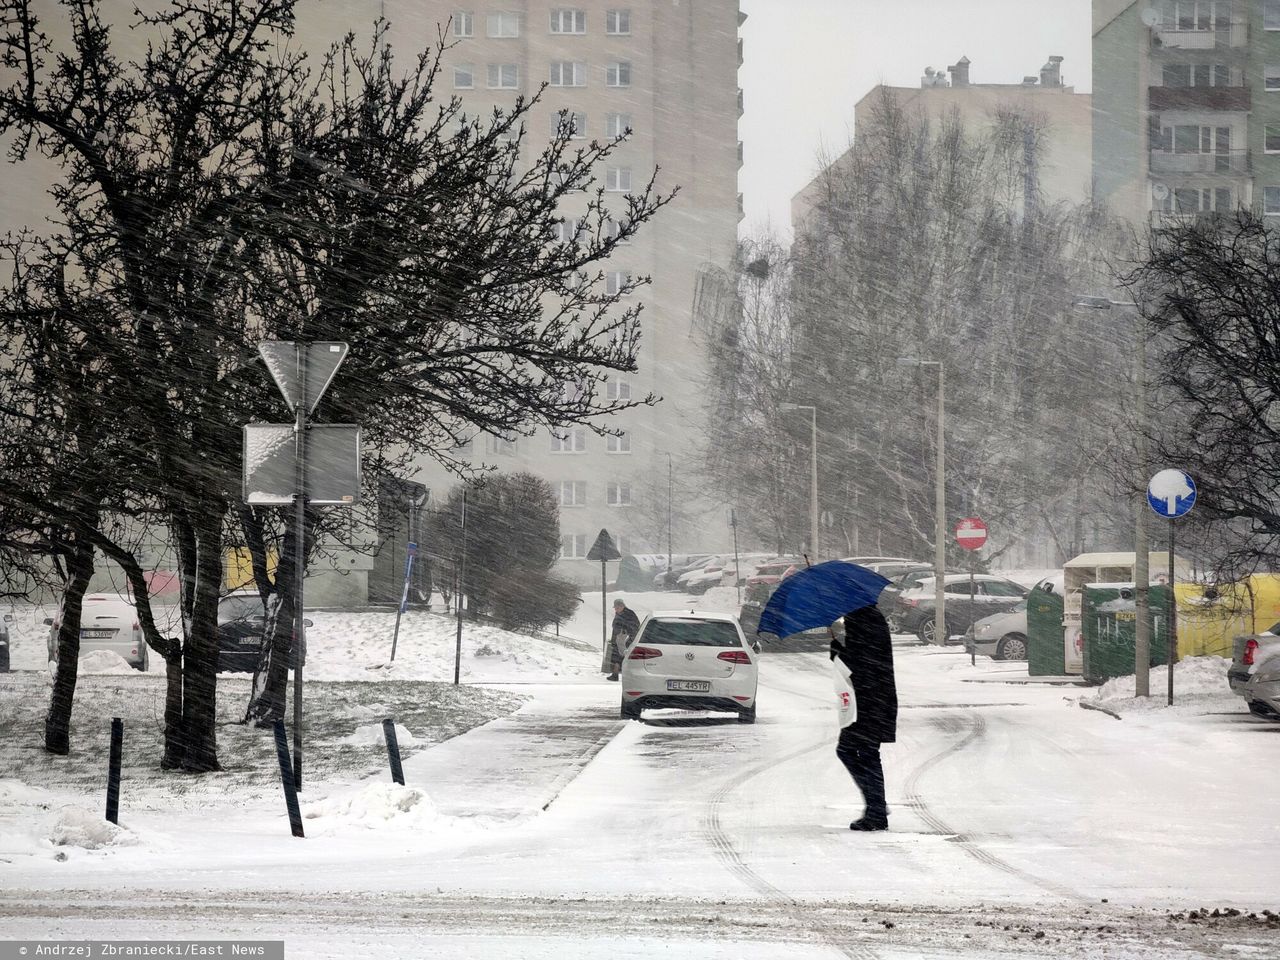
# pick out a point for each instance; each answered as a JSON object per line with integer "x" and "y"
{"x": 813, "y": 473}
{"x": 670, "y": 495}
{"x": 939, "y": 501}
{"x": 1141, "y": 557}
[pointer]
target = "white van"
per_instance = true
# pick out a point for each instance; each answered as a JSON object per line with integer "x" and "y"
{"x": 107, "y": 622}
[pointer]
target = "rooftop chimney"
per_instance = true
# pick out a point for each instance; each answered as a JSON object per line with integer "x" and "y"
{"x": 933, "y": 78}
{"x": 959, "y": 72}
{"x": 1051, "y": 73}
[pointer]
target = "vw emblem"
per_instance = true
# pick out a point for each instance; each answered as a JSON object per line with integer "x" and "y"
{"x": 688, "y": 656}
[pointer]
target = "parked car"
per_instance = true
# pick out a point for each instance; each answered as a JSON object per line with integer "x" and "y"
{"x": 108, "y": 621}
{"x": 681, "y": 563}
{"x": 1001, "y": 636}
{"x": 888, "y": 602}
{"x": 710, "y": 571}
{"x": 695, "y": 661}
{"x": 915, "y": 610}
{"x": 4, "y": 643}
{"x": 1262, "y": 691}
{"x": 760, "y": 585}
{"x": 1248, "y": 654}
{"x": 241, "y": 622}
{"x": 893, "y": 569}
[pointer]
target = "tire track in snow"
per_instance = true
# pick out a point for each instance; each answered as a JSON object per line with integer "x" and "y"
{"x": 976, "y": 732}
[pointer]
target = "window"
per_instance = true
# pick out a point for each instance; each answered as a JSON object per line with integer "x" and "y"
{"x": 464, "y": 24}
{"x": 1193, "y": 200}
{"x": 617, "y": 22}
{"x": 568, "y": 21}
{"x": 498, "y": 445}
{"x": 1271, "y": 201}
{"x": 623, "y": 544}
{"x": 618, "y": 125}
{"x": 618, "y": 74}
{"x": 573, "y": 493}
{"x": 1271, "y": 77}
{"x": 504, "y": 76}
{"x": 618, "y": 494}
{"x": 573, "y": 546}
{"x": 999, "y": 588}
{"x": 618, "y": 444}
{"x": 504, "y": 24}
{"x": 1271, "y": 138}
{"x": 1188, "y": 15}
{"x": 618, "y": 179}
{"x": 572, "y": 392}
{"x": 615, "y": 282}
{"x": 618, "y": 390}
{"x": 613, "y": 230}
{"x": 464, "y": 76}
{"x": 567, "y": 230}
{"x": 569, "y": 441}
{"x": 1271, "y": 14}
{"x": 568, "y": 73}
{"x": 1196, "y": 75}
{"x": 567, "y": 123}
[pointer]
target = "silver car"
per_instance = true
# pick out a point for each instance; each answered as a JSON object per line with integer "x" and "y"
{"x": 1003, "y": 635}
{"x": 1263, "y": 689}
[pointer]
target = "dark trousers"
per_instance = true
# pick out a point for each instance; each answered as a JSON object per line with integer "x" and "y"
{"x": 862, "y": 759}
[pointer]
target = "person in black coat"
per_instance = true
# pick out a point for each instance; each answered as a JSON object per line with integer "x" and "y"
{"x": 867, "y": 652}
{"x": 625, "y": 627}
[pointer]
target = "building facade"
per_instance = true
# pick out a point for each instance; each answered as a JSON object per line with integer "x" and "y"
{"x": 1188, "y": 107}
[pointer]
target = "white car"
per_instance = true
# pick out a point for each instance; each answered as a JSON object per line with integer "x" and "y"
{"x": 107, "y": 622}
{"x": 696, "y": 661}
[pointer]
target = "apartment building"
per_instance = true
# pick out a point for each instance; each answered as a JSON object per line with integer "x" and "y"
{"x": 1066, "y": 151}
{"x": 1188, "y": 107}
{"x": 667, "y": 72}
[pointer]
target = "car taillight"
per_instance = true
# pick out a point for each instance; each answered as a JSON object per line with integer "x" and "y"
{"x": 734, "y": 656}
{"x": 910, "y": 602}
{"x": 1250, "y": 648}
{"x": 644, "y": 653}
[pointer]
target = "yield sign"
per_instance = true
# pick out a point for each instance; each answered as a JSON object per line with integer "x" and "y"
{"x": 604, "y": 548}
{"x": 322, "y": 361}
{"x": 971, "y": 533}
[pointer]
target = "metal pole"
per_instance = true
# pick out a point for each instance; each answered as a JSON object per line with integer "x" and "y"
{"x": 813, "y": 487}
{"x": 113, "y": 770}
{"x": 1173, "y": 614}
{"x": 940, "y": 516}
{"x": 973, "y": 645}
{"x": 300, "y": 561}
{"x": 393, "y": 750}
{"x": 737, "y": 570}
{"x": 287, "y": 780}
{"x": 604, "y": 613}
{"x": 670, "y": 497}
{"x": 457, "y": 596}
{"x": 1141, "y": 554}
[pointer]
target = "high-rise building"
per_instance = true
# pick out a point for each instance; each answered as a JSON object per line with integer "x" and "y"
{"x": 1183, "y": 120}
{"x": 667, "y": 72}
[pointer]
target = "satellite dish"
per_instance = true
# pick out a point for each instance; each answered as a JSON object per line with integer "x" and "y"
{"x": 1159, "y": 191}
{"x": 1151, "y": 16}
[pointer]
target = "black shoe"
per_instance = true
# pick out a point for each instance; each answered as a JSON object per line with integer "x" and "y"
{"x": 866, "y": 825}
{"x": 612, "y": 676}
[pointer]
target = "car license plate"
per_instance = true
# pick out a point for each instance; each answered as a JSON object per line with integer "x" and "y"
{"x": 99, "y": 634}
{"x": 690, "y": 686}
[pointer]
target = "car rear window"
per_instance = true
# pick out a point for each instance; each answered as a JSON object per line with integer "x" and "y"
{"x": 692, "y": 633}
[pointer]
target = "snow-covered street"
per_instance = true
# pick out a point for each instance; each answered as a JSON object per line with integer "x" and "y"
{"x": 1020, "y": 825}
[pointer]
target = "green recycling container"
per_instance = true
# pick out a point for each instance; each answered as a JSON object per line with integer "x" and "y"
{"x": 1044, "y": 634}
{"x": 1108, "y": 624}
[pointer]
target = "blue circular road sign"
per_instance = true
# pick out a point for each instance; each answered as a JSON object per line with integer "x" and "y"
{"x": 1171, "y": 494}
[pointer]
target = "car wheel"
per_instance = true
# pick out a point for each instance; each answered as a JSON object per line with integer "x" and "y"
{"x": 747, "y": 714}
{"x": 1012, "y": 647}
{"x": 630, "y": 711}
{"x": 1262, "y": 710}
{"x": 927, "y": 630}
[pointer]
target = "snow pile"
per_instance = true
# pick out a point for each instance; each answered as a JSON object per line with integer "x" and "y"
{"x": 371, "y": 735}
{"x": 15, "y": 792}
{"x": 104, "y": 662}
{"x": 77, "y": 827}
{"x": 377, "y": 804}
{"x": 1199, "y": 685}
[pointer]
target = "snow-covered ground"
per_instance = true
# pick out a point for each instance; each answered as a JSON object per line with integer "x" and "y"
{"x": 1021, "y": 824}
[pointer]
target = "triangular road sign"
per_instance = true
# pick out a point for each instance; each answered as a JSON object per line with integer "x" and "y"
{"x": 323, "y": 359}
{"x": 604, "y": 548}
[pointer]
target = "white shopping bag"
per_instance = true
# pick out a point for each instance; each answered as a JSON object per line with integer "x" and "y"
{"x": 845, "y": 700}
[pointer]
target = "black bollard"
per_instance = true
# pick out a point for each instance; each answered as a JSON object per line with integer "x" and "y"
{"x": 286, "y": 778}
{"x": 113, "y": 770}
{"x": 393, "y": 750}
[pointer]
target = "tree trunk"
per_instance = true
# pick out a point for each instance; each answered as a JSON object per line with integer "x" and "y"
{"x": 270, "y": 689}
{"x": 200, "y": 656}
{"x": 57, "y": 723}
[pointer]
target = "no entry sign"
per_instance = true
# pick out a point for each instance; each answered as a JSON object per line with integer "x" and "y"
{"x": 971, "y": 533}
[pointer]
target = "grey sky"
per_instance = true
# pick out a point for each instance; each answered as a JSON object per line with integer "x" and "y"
{"x": 808, "y": 61}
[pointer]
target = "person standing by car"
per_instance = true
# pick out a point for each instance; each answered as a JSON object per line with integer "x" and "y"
{"x": 625, "y": 627}
{"x": 867, "y": 654}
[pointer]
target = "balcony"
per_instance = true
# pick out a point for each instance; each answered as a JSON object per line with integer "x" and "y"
{"x": 1226, "y": 34}
{"x": 1214, "y": 99}
{"x": 1232, "y": 162}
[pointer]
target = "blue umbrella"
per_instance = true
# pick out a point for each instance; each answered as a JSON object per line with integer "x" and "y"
{"x": 819, "y": 596}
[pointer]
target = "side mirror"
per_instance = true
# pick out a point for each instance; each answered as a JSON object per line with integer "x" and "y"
{"x": 307, "y": 623}
{"x": 755, "y": 645}
{"x": 48, "y": 621}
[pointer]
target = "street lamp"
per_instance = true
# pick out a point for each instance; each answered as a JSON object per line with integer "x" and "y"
{"x": 939, "y": 501}
{"x": 1141, "y": 558}
{"x": 813, "y": 475}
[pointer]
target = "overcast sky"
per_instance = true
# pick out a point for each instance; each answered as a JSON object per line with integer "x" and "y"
{"x": 808, "y": 61}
